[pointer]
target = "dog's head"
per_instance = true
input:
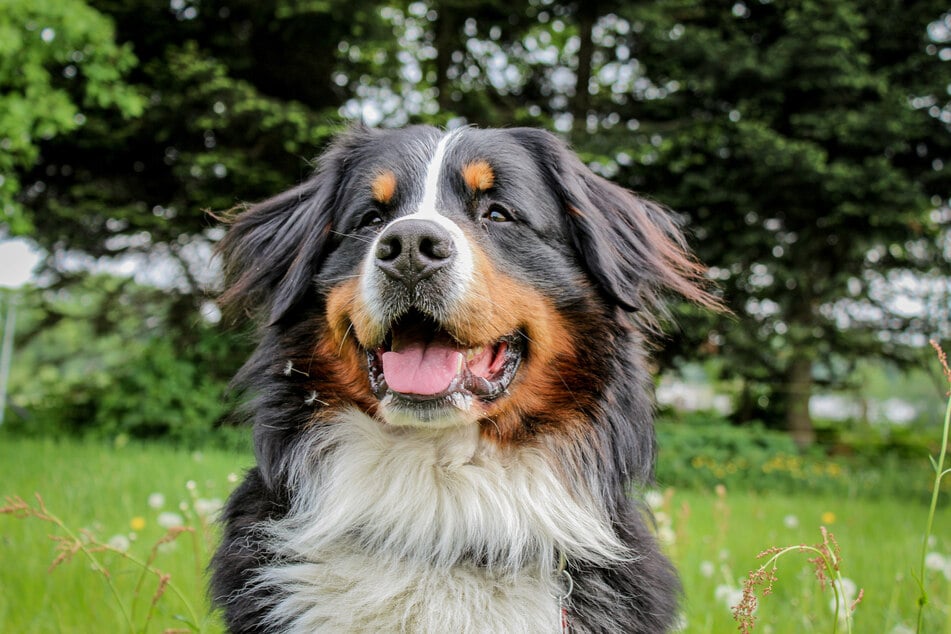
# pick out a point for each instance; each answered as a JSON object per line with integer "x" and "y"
{"x": 475, "y": 276}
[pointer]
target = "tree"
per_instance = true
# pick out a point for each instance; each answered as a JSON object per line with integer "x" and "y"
{"x": 57, "y": 58}
{"x": 808, "y": 142}
{"x": 239, "y": 96}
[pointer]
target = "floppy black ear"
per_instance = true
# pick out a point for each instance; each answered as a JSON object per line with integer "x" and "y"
{"x": 272, "y": 249}
{"x": 630, "y": 246}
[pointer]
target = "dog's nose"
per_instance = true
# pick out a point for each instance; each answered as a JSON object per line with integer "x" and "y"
{"x": 412, "y": 250}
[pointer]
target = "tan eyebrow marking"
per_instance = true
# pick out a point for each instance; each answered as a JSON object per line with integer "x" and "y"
{"x": 478, "y": 175}
{"x": 383, "y": 186}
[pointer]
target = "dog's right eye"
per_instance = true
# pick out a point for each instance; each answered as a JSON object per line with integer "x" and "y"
{"x": 372, "y": 219}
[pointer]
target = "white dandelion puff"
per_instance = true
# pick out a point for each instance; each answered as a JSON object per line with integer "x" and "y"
{"x": 654, "y": 499}
{"x": 170, "y": 520}
{"x": 935, "y": 561}
{"x": 119, "y": 542}
{"x": 208, "y": 508}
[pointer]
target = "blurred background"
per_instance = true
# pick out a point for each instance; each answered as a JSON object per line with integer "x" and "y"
{"x": 804, "y": 144}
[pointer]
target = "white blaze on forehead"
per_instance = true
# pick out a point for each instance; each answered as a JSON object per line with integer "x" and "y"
{"x": 426, "y": 208}
{"x": 433, "y": 173}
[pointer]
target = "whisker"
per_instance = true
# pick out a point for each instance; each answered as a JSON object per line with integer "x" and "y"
{"x": 342, "y": 278}
{"x": 344, "y": 339}
{"x": 355, "y": 236}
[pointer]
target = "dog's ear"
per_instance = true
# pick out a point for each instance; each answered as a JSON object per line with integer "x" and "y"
{"x": 272, "y": 249}
{"x": 630, "y": 246}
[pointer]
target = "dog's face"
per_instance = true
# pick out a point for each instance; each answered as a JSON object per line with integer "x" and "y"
{"x": 476, "y": 276}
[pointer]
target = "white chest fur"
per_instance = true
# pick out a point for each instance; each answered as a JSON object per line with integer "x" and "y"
{"x": 405, "y": 530}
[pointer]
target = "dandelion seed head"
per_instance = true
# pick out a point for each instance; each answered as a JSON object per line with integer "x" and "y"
{"x": 935, "y": 561}
{"x": 654, "y": 499}
{"x": 156, "y": 500}
{"x": 190, "y": 485}
{"x": 791, "y": 521}
{"x": 707, "y": 568}
{"x": 169, "y": 520}
{"x": 680, "y": 624}
{"x": 729, "y": 596}
{"x": 666, "y": 535}
{"x": 208, "y": 508}
{"x": 119, "y": 542}
{"x": 232, "y": 477}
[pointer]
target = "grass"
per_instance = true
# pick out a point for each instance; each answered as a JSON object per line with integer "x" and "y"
{"x": 714, "y": 537}
{"x": 879, "y": 541}
{"x": 106, "y": 491}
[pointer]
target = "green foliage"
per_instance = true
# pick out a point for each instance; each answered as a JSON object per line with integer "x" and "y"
{"x": 58, "y": 60}
{"x": 702, "y": 451}
{"x": 88, "y": 365}
{"x": 790, "y": 135}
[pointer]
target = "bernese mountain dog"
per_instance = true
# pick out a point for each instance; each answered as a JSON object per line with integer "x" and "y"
{"x": 450, "y": 397}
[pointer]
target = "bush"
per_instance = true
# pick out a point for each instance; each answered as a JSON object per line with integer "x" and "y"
{"x": 699, "y": 451}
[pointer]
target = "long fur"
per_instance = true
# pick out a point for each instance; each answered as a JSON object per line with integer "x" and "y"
{"x": 351, "y": 523}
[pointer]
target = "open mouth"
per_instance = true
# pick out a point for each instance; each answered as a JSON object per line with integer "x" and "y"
{"x": 421, "y": 362}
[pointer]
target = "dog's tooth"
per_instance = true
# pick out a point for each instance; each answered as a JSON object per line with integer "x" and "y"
{"x": 472, "y": 353}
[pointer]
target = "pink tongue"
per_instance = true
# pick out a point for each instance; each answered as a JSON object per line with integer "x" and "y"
{"x": 420, "y": 368}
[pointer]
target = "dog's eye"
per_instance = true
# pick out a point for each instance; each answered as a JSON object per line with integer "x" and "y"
{"x": 371, "y": 219}
{"x": 497, "y": 213}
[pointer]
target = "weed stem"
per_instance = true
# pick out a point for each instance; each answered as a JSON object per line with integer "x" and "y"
{"x": 940, "y": 472}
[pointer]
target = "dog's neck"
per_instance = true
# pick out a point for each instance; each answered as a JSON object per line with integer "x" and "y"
{"x": 444, "y": 497}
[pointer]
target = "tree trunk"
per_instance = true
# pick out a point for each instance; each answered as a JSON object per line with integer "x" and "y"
{"x": 798, "y": 393}
{"x": 445, "y": 28}
{"x": 587, "y": 16}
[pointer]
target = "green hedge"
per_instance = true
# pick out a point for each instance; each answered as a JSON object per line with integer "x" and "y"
{"x": 700, "y": 451}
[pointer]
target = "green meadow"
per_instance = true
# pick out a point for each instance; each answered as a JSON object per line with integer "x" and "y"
{"x": 126, "y": 496}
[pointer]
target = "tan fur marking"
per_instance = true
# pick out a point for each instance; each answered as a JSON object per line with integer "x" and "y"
{"x": 478, "y": 175}
{"x": 383, "y": 187}
{"x": 347, "y": 314}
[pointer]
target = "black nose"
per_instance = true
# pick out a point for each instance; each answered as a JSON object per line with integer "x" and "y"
{"x": 412, "y": 250}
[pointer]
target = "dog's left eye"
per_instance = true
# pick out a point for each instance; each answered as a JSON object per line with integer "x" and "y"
{"x": 497, "y": 213}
